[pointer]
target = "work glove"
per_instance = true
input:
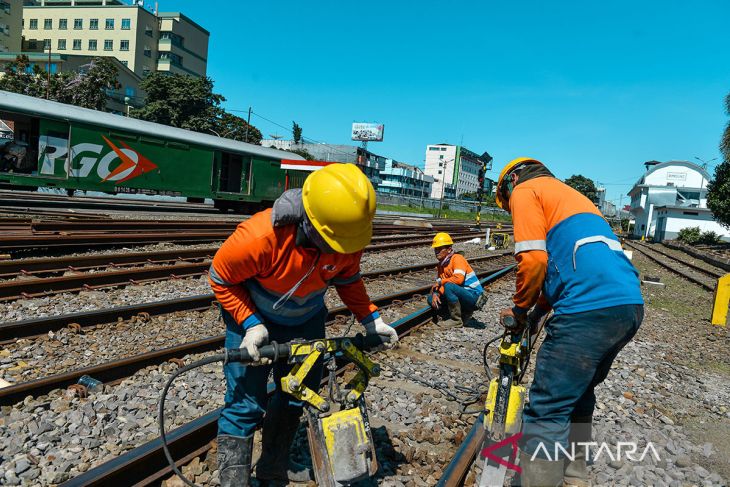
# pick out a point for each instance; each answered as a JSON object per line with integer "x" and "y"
{"x": 513, "y": 319}
{"x": 386, "y": 332}
{"x": 255, "y": 337}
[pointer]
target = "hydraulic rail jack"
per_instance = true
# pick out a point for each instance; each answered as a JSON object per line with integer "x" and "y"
{"x": 503, "y": 408}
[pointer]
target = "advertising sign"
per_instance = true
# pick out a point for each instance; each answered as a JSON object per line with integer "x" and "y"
{"x": 368, "y": 132}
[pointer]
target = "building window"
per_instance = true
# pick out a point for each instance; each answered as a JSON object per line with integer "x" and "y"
{"x": 61, "y": 44}
{"x": 124, "y": 45}
{"x": 78, "y": 24}
{"x": 129, "y": 91}
{"x": 108, "y": 45}
{"x": 440, "y": 171}
{"x": 77, "y": 44}
{"x": 46, "y": 44}
{"x": 33, "y": 24}
{"x": 126, "y": 63}
{"x": 92, "y": 44}
{"x": 147, "y": 51}
{"x": 32, "y": 45}
{"x": 47, "y": 24}
{"x": 126, "y": 24}
{"x": 148, "y": 31}
{"x": 145, "y": 71}
{"x": 441, "y": 156}
{"x": 62, "y": 24}
{"x": 94, "y": 24}
{"x": 109, "y": 25}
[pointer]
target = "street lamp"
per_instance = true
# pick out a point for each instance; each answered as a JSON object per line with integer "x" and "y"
{"x": 126, "y": 102}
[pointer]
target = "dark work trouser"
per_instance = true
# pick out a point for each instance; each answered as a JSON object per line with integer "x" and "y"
{"x": 575, "y": 357}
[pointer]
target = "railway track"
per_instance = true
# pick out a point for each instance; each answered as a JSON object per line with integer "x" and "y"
{"x": 704, "y": 276}
{"x": 178, "y": 266}
{"x": 146, "y": 464}
{"x": 10, "y": 331}
{"x": 116, "y": 370}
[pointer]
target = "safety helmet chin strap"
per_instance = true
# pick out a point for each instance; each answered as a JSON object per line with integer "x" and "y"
{"x": 314, "y": 237}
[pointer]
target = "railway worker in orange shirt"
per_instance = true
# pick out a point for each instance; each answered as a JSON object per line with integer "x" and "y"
{"x": 270, "y": 277}
{"x": 569, "y": 261}
{"x": 457, "y": 284}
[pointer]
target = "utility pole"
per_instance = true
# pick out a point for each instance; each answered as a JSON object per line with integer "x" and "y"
{"x": 485, "y": 160}
{"x": 48, "y": 81}
{"x": 248, "y": 123}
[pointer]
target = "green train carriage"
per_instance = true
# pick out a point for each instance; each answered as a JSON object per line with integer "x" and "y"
{"x": 54, "y": 145}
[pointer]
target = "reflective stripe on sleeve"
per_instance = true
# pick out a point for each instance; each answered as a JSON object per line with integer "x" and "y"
{"x": 341, "y": 281}
{"x": 614, "y": 245}
{"x": 216, "y": 278}
{"x": 526, "y": 245}
{"x": 459, "y": 271}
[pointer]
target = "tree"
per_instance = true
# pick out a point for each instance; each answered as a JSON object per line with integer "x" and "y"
{"x": 297, "y": 133}
{"x": 182, "y": 101}
{"x": 234, "y": 127}
{"x": 305, "y": 154}
{"x": 718, "y": 189}
{"x": 583, "y": 185}
{"x": 86, "y": 88}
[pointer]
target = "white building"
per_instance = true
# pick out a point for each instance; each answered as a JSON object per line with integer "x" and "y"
{"x": 455, "y": 166}
{"x": 671, "y": 196}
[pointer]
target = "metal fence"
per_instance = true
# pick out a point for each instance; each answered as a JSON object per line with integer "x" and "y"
{"x": 448, "y": 204}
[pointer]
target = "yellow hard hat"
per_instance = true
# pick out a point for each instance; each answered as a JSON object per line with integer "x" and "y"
{"x": 499, "y": 197}
{"x": 340, "y": 202}
{"x": 442, "y": 239}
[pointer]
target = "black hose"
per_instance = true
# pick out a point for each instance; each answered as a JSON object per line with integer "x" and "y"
{"x": 220, "y": 357}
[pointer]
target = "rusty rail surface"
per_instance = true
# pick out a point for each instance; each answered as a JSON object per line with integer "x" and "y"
{"x": 673, "y": 267}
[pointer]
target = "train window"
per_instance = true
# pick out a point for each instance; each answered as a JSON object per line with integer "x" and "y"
{"x": 18, "y": 143}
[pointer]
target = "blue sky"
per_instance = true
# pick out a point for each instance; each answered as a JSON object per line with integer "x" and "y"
{"x": 588, "y": 87}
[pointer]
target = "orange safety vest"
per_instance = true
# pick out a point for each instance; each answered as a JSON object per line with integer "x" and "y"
{"x": 260, "y": 264}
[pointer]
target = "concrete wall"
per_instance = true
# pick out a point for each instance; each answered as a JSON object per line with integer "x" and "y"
{"x": 11, "y": 25}
{"x": 670, "y": 221}
{"x": 440, "y": 162}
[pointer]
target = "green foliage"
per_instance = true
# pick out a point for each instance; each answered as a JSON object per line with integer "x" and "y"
{"x": 689, "y": 235}
{"x": 583, "y": 185}
{"x": 86, "y": 88}
{"x": 718, "y": 189}
{"x": 710, "y": 237}
{"x": 304, "y": 153}
{"x": 296, "y": 133}
{"x": 182, "y": 101}
{"x": 233, "y": 127}
{"x": 487, "y": 199}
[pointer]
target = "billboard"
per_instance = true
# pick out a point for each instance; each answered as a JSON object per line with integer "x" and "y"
{"x": 368, "y": 132}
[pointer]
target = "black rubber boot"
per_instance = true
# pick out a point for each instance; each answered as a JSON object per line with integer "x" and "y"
{"x": 540, "y": 472}
{"x": 455, "y": 320}
{"x": 234, "y": 460}
{"x": 483, "y": 298}
{"x": 280, "y": 427}
{"x": 576, "y": 471}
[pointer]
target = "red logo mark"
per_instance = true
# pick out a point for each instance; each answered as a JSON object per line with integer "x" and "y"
{"x": 489, "y": 452}
{"x": 129, "y": 165}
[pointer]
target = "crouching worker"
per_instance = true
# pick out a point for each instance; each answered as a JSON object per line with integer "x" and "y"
{"x": 457, "y": 291}
{"x": 270, "y": 277}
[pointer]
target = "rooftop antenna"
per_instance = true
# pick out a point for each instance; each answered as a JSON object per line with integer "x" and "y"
{"x": 276, "y": 136}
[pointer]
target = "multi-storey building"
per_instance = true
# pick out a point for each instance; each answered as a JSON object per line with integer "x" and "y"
{"x": 404, "y": 179}
{"x": 11, "y": 20}
{"x": 143, "y": 40}
{"x": 455, "y": 166}
{"x": 670, "y": 196}
{"x": 370, "y": 163}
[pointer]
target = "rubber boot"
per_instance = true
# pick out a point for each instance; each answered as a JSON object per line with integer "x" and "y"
{"x": 280, "y": 427}
{"x": 482, "y": 300}
{"x": 466, "y": 317}
{"x": 576, "y": 471}
{"x": 455, "y": 320}
{"x": 234, "y": 460}
{"x": 540, "y": 472}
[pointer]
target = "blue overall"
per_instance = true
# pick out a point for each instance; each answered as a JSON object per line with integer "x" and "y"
{"x": 467, "y": 297}
{"x": 246, "y": 399}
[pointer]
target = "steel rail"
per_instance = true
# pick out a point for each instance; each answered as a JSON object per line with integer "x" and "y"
{"x": 707, "y": 272}
{"x": 22, "y": 243}
{"x": 458, "y": 468}
{"x": 147, "y": 464}
{"x": 121, "y": 368}
{"x": 671, "y": 268}
{"x": 13, "y": 330}
{"x": 36, "y": 287}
